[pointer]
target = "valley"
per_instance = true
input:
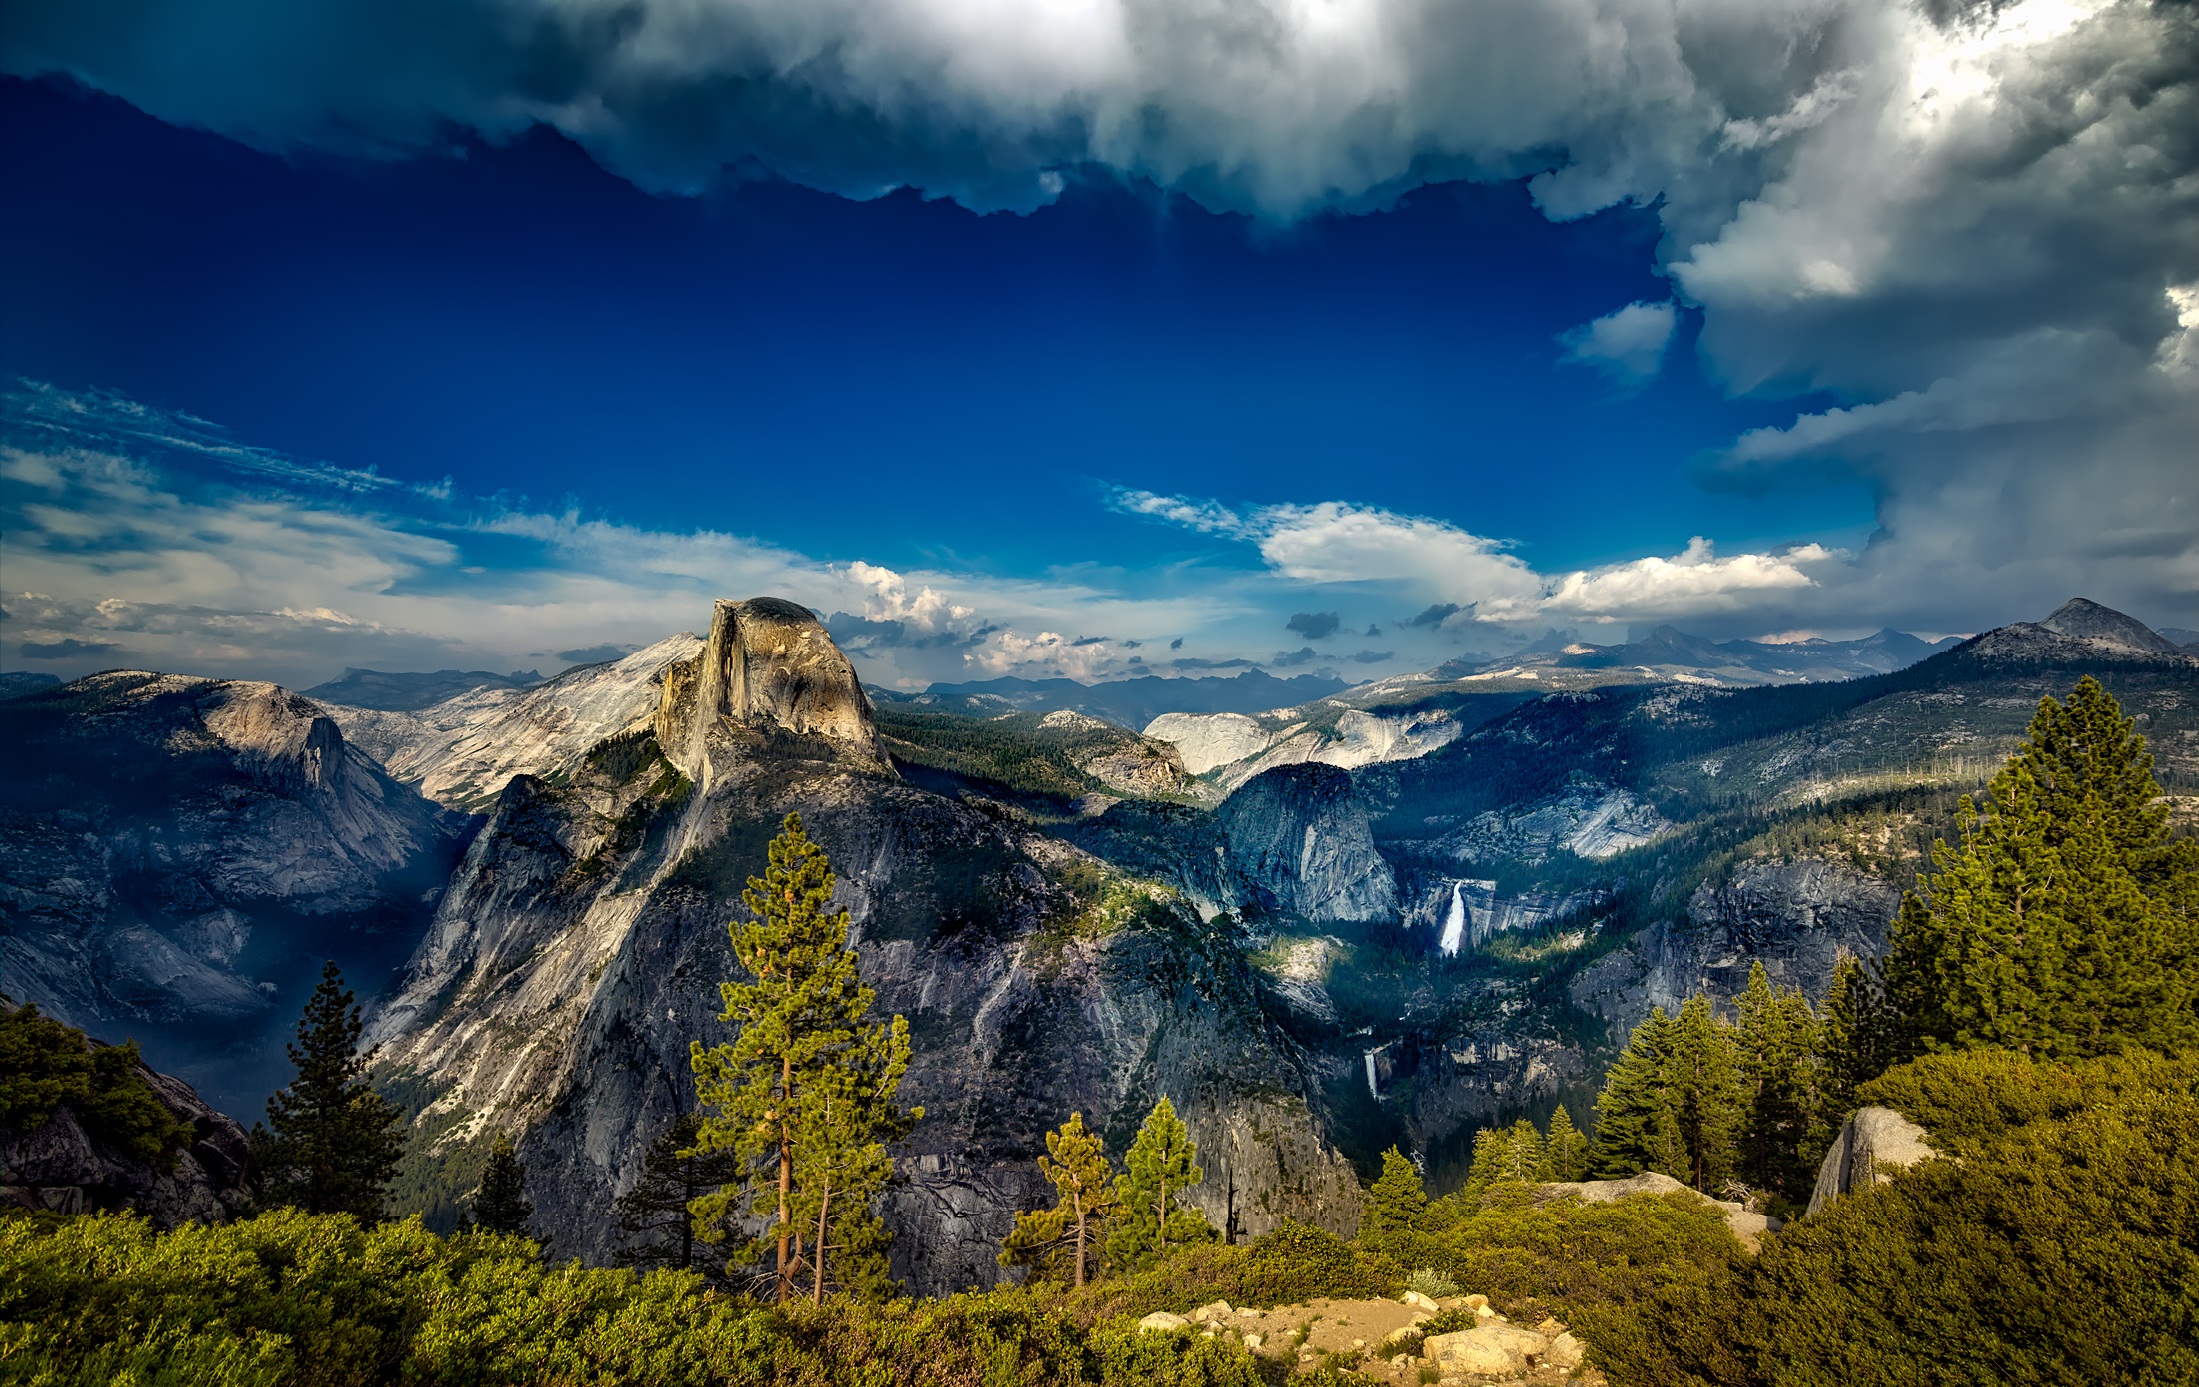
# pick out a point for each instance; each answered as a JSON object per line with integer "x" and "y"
{"x": 1397, "y": 913}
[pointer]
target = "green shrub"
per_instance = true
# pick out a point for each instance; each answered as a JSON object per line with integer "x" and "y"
{"x": 46, "y": 1066}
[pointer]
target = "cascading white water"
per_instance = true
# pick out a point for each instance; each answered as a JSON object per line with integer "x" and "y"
{"x": 1371, "y": 1089}
{"x": 1454, "y": 925}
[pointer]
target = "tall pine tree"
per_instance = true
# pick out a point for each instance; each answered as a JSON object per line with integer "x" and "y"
{"x": 656, "y": 1224}
{"x": 1856, "y": 1041}
{"x": 331, "y": 1143}
{"x": 1775, "y": 1043}
{"x": 1637, "y": 1128}
{"x": 500, "y": 1205}
{"x": 2062, "y": 923}
{"x": 1084, "y": 1187}
{"x": 807, "y": 1092}
{"x": 1399, "y": 1201}
{"x": 1705, "y": 1089}
{"x": 1568, "y": 1148}
{"x": 1161, "y": 1165}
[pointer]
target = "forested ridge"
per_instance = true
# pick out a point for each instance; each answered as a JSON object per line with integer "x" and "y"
{"x": 2036, "y": 1013}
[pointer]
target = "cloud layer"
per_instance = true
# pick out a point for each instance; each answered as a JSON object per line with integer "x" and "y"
{"x": 1976, "y": 226}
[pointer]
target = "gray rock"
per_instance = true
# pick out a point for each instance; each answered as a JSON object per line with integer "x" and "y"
{"x": 1299, "y": 835}
{"x": 1796, "y": 918}
{"x": 1748, "y": 1228}
{"x": 1872, "y": 1144}
{"x": 59, "y": 1166}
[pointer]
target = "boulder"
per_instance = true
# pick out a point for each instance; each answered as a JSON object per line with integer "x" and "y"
{"x": 1872, "y": 1144}
{"x": 1162, "y": 1321}
{"x": 1564, "y": 1352}
{"x": 1414, "y": 1299}
{"x": 1486, "y": 1349}
{"x": 1214, "y": 1310}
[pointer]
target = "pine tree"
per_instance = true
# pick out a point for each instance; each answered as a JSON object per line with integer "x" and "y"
{"x": 1084, "y": 1186}
{"x": 1398, "y": 1202}
{"x": 331, "y": 1143}
{"x": 1161, "y": 1165}
{"x": 1568, "y": 1148}
{"x": 501, "y": 1204}
{"x": 2062, "y": 922}
{"x": 1636, "y": 1126}
{"x": 807, "y": 1092}
{"x": 1856, "y": 1041}
{"x": 656, "y": 1225}
{"x": 1525, "y": 1158}
{"x": 1705, "y": 1089}
{"x": 1775, "y": 1041}
{"x": 849, "y": 1113}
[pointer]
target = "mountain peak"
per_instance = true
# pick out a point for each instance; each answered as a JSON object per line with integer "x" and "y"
{"x": 766, "y": 661}
{"x": 2082, "y": 619}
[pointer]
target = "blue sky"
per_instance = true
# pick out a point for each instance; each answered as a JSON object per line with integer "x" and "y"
{"x": 1020, "y": 395}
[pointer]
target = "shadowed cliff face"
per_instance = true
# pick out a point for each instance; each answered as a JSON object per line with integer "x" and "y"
{"x": 579, "y": 948}
{"x": 178, "y": 855}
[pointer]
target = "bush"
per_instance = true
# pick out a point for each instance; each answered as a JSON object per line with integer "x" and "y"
{"x": 46, "y": 1066}
{"x": 319, "y": 1301}
{"x": 2060, "y": 1245}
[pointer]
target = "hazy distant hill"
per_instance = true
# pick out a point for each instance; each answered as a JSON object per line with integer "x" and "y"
{"x": 1130, "y": 702}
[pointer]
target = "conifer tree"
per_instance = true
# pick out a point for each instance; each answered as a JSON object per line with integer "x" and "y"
{"x": 330, "y": 1143}
{"x": 849, "y": 1113}
{"x": 1152, "y": 1218}
{"x": 2062, "y": 922}
{"x": 1637, "y": 1128}
{"x": 656, "y": 1225}
{"x": 1076, "y": 1165}
{"x": 1399, "y": 1201}
{"x": 807, "y": 1092}
{"x": 501, "y": 1205}
{"x": 1568, "y": 1148}
{"x": 1525, "y": 1158}
{"x": 1775, "y": 1045}
{"x": 1705, "y": 1090}
{"x": 1856, "y": 1041}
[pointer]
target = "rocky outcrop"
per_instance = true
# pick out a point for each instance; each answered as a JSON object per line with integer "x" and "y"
{"x": 177, "y": 850}
{"x": 768, "y": 664}
{"x": 59, "y": 1165}
{"x": 578, "y": 950}
{"x": 1299, "y": 838}
{"x": 1586, "y": 821}
{"x": 462, "y": 751}
{"x": 1873, "y": 1143}
{"x": 1796, "y": 918}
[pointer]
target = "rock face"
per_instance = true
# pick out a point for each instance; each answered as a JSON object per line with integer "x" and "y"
{"x": 1873, "y": 1143}
{"x": 578, "y": 951}
{"x": 462, "y": 751}
{"x": 1797, "y": 918}
{"x": 180, "y": 854}
{"x": 59, "y": 1166}
{"x": 767, "y": 664}
{"x": 1300, "y": 836}
{"x": 2085, "y": 620}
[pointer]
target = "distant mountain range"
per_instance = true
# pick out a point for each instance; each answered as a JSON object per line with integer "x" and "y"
{"x": 408, "y": 693}
{"x": 1130, "y": 702}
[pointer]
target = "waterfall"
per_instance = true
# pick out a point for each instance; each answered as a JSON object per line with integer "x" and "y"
{"x": 1371, "y": 1089}
{"x": 1454, "y": 925}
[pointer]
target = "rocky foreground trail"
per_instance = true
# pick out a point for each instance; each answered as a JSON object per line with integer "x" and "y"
{"x": 1452, "y": 1341}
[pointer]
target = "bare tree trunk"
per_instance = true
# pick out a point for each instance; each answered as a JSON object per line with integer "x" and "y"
{"x": 817, "y": 1293}
{"x": 1080, "y": 1244}
{"x": 786, "y": 1174}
